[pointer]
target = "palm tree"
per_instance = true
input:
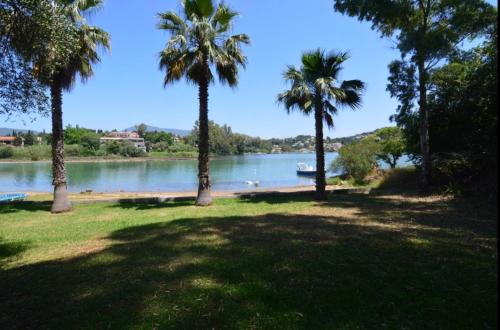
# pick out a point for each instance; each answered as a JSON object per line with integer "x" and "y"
{"x": 201, "y": 42}
{"x": 79, "y": 62}
{"x": 315, "y": 87}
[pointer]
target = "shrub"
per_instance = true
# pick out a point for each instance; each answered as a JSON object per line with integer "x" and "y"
{"x": 90, "y": 141}
{"x": 129, "y": 150}
{"x": 454, "y": 171}
{"x": 6, "y": 152}
{"x": 35, "y": 153}
{"x": 112, "y": 148}
{"x": 181, "y": 148}
{"x": 160, "y": 146}
{"x": 100, "y": 153}
{"x": 357, "y": 159}
{"x": 74, "y": 150}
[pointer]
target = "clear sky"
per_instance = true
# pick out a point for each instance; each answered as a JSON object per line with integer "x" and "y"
{"x": 128, "y": 87}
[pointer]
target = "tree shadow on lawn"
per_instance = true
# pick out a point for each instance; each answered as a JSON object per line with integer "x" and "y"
{"x": 270, "y": 271}
{"x": 141, "y": 206}
{"x": 464, "y": 217}
{"x": 24, "y": 206}
{"x": 11, "y": 249}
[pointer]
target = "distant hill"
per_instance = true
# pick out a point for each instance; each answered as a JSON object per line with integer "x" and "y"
{"x": 175, "y": 131}
{"x": 349, "y": 139}
{"x": 7, "y": 131}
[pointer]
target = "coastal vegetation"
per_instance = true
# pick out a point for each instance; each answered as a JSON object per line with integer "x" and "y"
{"x": 67, "y": 47}
{"x": 427, "y": 34}
{"x": 201, "y": 42}
{"x": 315, "y": 89}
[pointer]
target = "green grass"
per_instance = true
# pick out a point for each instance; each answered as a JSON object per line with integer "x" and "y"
{"x": 356, "y": 261}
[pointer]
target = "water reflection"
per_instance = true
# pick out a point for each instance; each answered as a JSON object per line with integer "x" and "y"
{"x": 228, "y": 173}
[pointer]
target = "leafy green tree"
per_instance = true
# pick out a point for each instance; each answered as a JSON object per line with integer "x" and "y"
{"x": 357, "y": 159}
{"x": 392, "y": 145}
{"x": 427, "y": 32}
{"x": 29, "y": 138}
{"x": 201, "y": 42}
{"x": 463, "y": 121}
{"x": 141, "y": 129}
{"x": 90, "y": 141}
{"x": 314, "y": 89}
{"x": 73, "y": 135}
{"x": 59, "y": 76}
{"x": 30, "y": 31}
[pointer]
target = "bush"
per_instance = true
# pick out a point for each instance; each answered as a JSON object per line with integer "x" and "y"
{"x": 357, "y": 159}
{"x": 6, "y": 152}
{"x": 90, "y": 141}
{"x": 160, "y": 147}
{"x": 129, "y": 150}
{"x": 181, "y": 148}
{"x": 112, "y": 148}
{"x": 36, "y": 152}
{"x": 74, "y": 150}
{"x": 454, "y": 171}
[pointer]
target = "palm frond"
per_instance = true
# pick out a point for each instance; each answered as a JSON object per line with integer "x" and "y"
{"x": 171, "y": 22}
{"x": 198, "y": 8}
{"x": 355, "y": 85}
{"x": 223, "y": 18}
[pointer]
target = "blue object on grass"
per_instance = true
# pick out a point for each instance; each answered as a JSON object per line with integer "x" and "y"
{"x": 6, "y": 198}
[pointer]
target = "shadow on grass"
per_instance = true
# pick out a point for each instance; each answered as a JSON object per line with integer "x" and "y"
{"x": 25, "y": 206}
{"x": 270, "y": 271}
{"x": 11, "y": 249}
{"x": 128, "y": 204}
{"x": 435, "y": 213}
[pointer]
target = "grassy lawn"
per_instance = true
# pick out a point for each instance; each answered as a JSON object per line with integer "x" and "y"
{"x": 357, "y": 261}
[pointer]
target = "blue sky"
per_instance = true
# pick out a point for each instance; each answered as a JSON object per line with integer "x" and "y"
{"x": 127, "y": 88}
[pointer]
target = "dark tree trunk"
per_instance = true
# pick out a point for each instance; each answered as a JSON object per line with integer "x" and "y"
{"x": 61, "y": 201}
{"x": 320, "y": 155}
{"x": 424, "y": 123}
{"x": 393, "y": 162}
{"x": 204, "y": 196}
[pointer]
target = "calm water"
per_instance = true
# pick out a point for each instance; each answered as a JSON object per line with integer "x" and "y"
{"x": 228, "y": 173}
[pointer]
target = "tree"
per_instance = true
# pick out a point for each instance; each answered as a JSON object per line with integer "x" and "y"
{"x": 90, "y": 141}
{"x": 357, "y": 159}
{"x": 141, "y": 129}
{"x": 29, "y": 30}
{"x": 314, "y": 89}
{"x": 59, "y": 76}
{"x": 201, "y": 42}
{"x": 463, "y": 121}
{"x": 428, "y": 31}
{"x": 392, "y": 145}
{"x": 29, "y": 139}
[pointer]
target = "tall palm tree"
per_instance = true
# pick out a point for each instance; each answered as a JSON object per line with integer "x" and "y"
{"x": 201, "y": 42}
{"x": 315, "y": 88}
{"x": 79, "y": 62}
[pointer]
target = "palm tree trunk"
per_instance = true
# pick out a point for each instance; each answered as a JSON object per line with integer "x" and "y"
{"x": 61, "y": 201}
{"x": 320, "y": 155}
{"x": 424, "y": 124}
{"x": 204, "y": 196}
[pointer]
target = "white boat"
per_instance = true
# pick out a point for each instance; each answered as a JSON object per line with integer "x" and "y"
{"x": 305, "y": 169}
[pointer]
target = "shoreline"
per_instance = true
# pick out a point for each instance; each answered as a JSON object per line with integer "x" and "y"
{"x": 129, "y": 160}
{"x": 95, "y": 160}
{"x": 161, "y": 196}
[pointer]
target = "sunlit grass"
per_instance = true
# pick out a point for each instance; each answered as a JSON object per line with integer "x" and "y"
{"x": 356, "y": 261}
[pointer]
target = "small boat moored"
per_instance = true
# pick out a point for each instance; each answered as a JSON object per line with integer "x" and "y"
{"x": 7, "y": 198}
{"x": 304, "y": 169}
